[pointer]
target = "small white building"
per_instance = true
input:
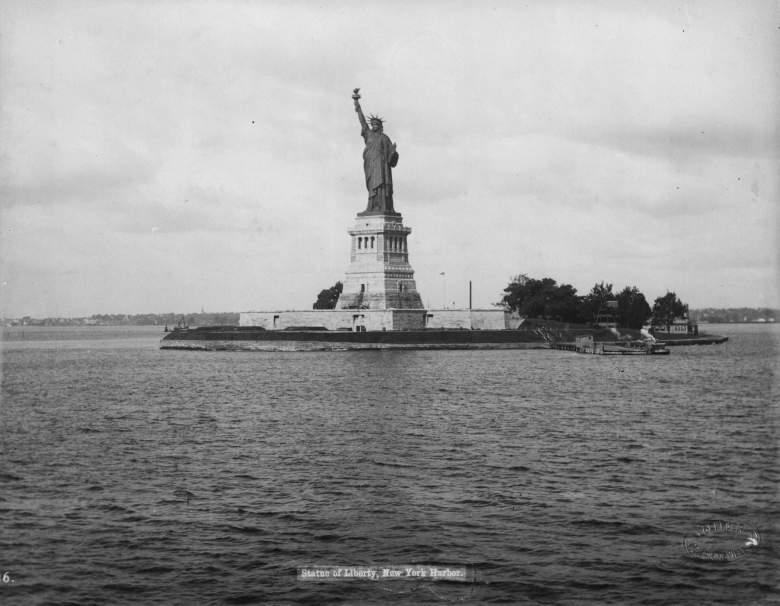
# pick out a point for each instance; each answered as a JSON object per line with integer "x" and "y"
{"x": 678, "y": 326}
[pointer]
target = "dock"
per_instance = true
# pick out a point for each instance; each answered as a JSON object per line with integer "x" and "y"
{"x": 587, "y": 345}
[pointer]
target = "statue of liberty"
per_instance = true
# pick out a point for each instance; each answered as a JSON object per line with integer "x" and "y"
{"x": 379, "y": 157}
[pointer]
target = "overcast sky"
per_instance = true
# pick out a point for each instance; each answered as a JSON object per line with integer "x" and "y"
{"x": 173, "y": 156}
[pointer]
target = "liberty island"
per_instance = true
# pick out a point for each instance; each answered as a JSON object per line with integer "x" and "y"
{"x": 379, "y": 306}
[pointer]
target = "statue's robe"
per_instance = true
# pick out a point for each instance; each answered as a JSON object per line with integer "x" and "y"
{"x": 379, "y": 157}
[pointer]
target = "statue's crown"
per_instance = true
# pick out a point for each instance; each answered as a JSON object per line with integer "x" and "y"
{"x": 373, "y": 118}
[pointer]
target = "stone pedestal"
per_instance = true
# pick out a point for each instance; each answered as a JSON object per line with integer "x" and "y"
{"x": 379, "y": 275}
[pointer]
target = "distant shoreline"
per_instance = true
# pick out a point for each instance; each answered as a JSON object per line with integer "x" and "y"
{"x": 171, "y": 325}
{"x": 700, "y": 322}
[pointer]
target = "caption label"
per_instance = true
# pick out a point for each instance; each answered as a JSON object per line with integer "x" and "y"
{"x": 384, "y": 573}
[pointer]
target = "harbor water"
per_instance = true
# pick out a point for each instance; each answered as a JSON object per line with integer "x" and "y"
{"x": 132, "y": 474}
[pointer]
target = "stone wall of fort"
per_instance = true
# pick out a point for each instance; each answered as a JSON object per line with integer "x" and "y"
{"x": 380, "y": 319}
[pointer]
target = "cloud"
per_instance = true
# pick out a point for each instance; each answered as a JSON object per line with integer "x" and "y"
{"x": 686, "y": 142}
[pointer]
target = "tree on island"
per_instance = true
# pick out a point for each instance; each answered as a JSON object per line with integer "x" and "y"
{"x": 633, "y": 309}
{"x": 667, "y": 308}
{"x": 543, "y": 298}
{"x": 546, "y": 299}
{"x": 328, "y": 297}
{"x": 595, "y": 302}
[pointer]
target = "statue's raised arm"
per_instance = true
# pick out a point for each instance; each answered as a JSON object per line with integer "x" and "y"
{"x": 379, "y": 157}
{"x": 361, "y": 117}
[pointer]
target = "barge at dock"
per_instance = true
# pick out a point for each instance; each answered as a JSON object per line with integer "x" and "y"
{"x": 587, "y": 345}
